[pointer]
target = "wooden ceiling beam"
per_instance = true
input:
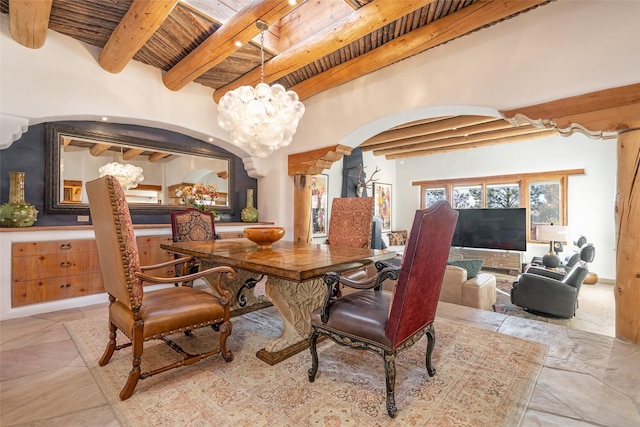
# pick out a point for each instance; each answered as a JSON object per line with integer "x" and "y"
{"x": 136, "y": 27}
{"x": 131, "y": 153}
{"x": 609, "y": 110}
{"x": 29, "y": 21}
{"x": 466, "y": 20}
{"x": 427, "y": 129}
{"x": 357, "y": 24}
{"x": 221, "y": 44}
{"x": 482, "y": 143}
{"x": 462, "y": 140}
{"x": 445, "y": 135}
{"x": 97, "y": 149}
{"x": 158, "y": 156}
{"x": 316, "y": 161}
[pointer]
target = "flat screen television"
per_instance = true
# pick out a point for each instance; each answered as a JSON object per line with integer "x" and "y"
{"x": 491, "y": 229}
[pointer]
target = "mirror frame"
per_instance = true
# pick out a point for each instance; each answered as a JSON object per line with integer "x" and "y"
{"x": 52, "y": 166}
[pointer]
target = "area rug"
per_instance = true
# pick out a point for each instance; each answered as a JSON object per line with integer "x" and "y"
{"x": 483, "y": 378}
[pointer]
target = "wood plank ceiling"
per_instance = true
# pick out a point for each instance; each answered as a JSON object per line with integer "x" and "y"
{"x": 310, "y": 47}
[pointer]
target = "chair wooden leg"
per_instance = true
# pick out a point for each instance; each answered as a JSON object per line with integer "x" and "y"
{"x": 313, "y": 339}
{"x": 390, "y": 374}
{"x": 111, "y": 345}
{"x": 137, "y": 345}
{"x": 431, "y": 342}
{"x": 225, "y": 331}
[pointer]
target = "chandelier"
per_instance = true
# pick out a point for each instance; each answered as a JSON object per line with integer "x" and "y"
{"x": 263, "y": 118}
{"x": 128, "y": 176}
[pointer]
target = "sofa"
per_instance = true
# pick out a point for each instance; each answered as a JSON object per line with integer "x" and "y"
{"x": 477, "y": 292}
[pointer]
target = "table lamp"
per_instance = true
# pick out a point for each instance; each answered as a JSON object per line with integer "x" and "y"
{"x": 552, "y": 233}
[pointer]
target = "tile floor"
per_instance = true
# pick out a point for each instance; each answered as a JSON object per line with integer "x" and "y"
{"x": 588, "y": 379}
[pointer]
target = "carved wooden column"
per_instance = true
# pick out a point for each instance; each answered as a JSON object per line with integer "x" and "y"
{"x": 301, "y": 167}
{"x": 627, "y": 288}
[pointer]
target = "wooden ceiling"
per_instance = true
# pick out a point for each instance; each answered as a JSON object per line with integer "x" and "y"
{"x": 310, "y": 47}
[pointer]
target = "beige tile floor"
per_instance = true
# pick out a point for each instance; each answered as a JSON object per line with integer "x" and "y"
{"x": 588, "y": 379}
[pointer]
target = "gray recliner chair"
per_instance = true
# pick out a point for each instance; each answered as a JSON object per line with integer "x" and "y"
{"x": 552, "y": 293}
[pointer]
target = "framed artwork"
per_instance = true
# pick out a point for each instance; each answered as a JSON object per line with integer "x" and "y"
{"x": 319, "y": 187}
{"x": 382, "y": 204}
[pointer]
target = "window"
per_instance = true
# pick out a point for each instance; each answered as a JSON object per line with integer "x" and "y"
{"x": 543, "y": 194}
{"x": 503, "y": 196}
{"x": 467, "y": 197}
{"x": 432, "y": 195}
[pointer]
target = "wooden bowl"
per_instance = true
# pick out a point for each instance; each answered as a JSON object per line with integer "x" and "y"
{"x": 264, "y": 237}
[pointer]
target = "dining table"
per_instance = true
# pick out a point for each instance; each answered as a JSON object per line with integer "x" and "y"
{"x": 294, "y": 279}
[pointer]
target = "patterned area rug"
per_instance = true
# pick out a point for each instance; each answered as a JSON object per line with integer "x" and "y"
{"x": 503, "y": 301}
{"x": 483, "y": 379}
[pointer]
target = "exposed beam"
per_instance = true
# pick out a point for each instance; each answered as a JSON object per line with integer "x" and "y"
{"x": 221, "y": 44}
{"x": 482, "y": 129}
{"x": 464, "y": 21}
{"x": 609, "y": 110}
{"x": 316, "y": 161}
{"x": 481, "y": 143}
{"x": 158, "y": 156}
{"x": 131, "y": 153}
{"x": 98, "y": 149}
{"x": 426, "y": 129}
{"x": 371, "y": 17}
{"x": 136, "y": 27}
{"x": 29, "y": 21}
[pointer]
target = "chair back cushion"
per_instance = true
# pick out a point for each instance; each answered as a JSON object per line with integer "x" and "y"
{"x": 191, "y": 225}
{"x": 422, "y": 271}
{"x": 350, "y": 222}
{"x": 115, "y": 239}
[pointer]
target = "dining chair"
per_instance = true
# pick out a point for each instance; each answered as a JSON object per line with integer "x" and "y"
{"x": 384, "y": 322}
{"x": 140, "y": 315}
{"x": 192, "y": 225}
{"x": 350, "y": 222}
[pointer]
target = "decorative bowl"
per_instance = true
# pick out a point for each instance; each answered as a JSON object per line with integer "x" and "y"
{"x": 264, "y": 237}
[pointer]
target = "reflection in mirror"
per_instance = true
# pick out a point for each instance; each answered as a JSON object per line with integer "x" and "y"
{"x": 171, "y": 179}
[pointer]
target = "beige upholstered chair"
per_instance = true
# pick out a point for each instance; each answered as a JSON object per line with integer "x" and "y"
{"x": 383, "y": 323}
{"x": 141, "y": 315}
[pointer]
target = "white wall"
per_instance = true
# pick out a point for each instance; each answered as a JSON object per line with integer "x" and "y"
{"x": 561, "y": 49}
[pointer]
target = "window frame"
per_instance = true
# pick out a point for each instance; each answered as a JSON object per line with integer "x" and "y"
{"x": 522, "y": 180}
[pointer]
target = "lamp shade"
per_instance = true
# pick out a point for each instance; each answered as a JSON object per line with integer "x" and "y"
{"x": 552, "y": 233}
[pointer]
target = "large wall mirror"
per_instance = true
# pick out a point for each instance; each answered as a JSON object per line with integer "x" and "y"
{"x": 170, "y": 168}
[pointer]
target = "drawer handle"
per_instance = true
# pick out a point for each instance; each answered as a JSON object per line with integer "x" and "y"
{"x": 65, "y": 246}
{"x": 65, "y": 264}
{"x": 65, "y": 285}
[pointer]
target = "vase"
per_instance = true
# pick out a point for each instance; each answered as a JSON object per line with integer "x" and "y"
{"x": 249, "y": 213}
{"x": 16, "y": 212}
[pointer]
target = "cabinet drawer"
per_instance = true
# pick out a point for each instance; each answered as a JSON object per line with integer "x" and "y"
{"x": 36, "y": 291}
{"x": 53, "y": 265}
{"x": 60, "y": 246}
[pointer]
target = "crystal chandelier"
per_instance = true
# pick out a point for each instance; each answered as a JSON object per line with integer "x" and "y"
{"x": 128, "y": 176}
{"x": 263, "y": 118}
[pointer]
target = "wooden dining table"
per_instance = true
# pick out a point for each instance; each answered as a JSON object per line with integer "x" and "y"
{"x": 293, "y": 273}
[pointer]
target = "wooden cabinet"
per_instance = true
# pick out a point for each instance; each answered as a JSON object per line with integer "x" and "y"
{"x": 48, "y": 271}
{"x": 151, "y": 253}
{"x": 498, "y": 260}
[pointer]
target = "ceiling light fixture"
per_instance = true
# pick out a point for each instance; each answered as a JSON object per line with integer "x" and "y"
{"x": 128, "y": 176}
{"x": 261, "y": 119}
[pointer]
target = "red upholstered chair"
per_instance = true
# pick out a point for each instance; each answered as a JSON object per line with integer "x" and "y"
{"x": 350, "y": 222}
{"x": 141, "y": 315}
{"x": 383, "y": 323}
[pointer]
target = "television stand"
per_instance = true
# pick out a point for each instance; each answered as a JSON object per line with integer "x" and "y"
{"x": 493, "y": 258}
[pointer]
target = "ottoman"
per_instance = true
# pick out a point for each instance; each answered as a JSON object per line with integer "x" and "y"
{"x": 480, "y": 291}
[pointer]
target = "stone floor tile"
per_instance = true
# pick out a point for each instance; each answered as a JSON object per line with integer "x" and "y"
{"x": 48, "y": 395}
{"x": 102, "y": 416}
{"x": 37, "y": 359}
{"x": 590, "y": 399}
{"x": 541, "y": 419}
